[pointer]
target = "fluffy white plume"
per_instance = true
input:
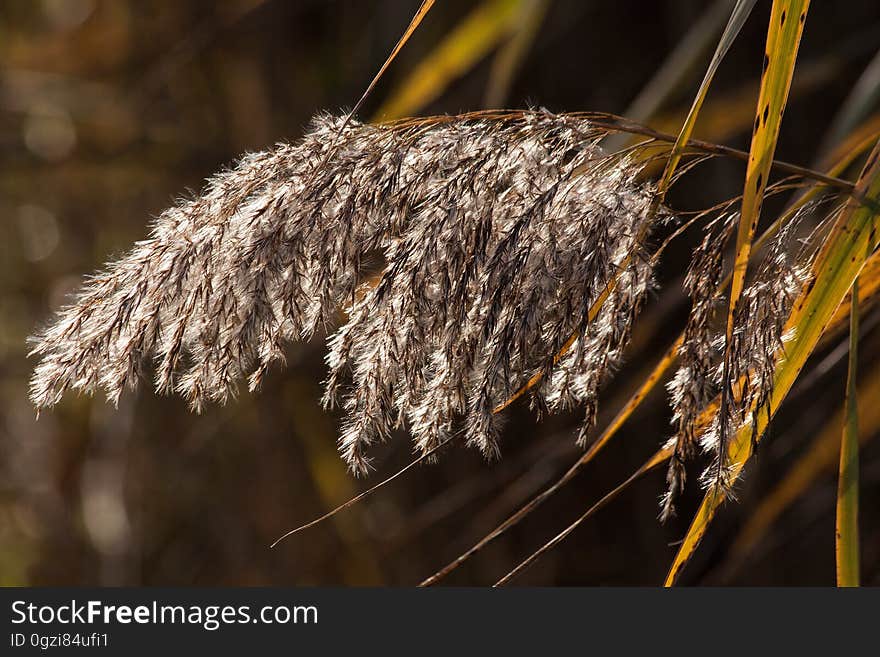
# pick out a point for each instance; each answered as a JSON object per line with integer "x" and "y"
{"x": 465, "y": 251}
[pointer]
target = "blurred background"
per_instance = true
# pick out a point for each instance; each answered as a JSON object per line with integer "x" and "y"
{"x": 109, "y": 109}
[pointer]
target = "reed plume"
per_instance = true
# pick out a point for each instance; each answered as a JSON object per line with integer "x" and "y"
{"x": 757, "y": 346}
{"x": 494, "y": 235}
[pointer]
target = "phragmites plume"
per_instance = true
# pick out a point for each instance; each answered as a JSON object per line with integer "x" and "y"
{"x": 757, "y": 345}
{"x": 467, "y": 254}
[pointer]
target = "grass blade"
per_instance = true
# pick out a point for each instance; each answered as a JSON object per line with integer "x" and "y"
{"x": 847, "y": 534}
{"x": 783, "y": 39}
{"x": 854, "y": 237}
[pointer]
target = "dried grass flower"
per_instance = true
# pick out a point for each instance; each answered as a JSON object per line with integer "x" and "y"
{"x": 494, "y": 235}
{"x": 757, "y": 345}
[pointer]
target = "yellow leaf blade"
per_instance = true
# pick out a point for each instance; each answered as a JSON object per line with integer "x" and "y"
{"x": 783, "y": 40}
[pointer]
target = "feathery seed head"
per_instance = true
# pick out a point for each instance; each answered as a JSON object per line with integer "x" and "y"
{"x": 496, "y": 236}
